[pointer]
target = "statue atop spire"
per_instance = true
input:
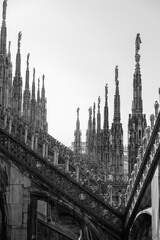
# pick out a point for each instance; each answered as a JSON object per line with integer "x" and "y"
{"x": 4, "y": 10}
{"x": 78, "y": 112}
{"x": 116, "y": 73}
{"x": 138, "y": 42}
{"x": 19, "y": 39}
{"x": 116, "y": 76}
{"x": 137, "y": 47}
{"x": 28, "y": 55}
{"x": 99, "y": 101}
{"x": 106, "y": 90}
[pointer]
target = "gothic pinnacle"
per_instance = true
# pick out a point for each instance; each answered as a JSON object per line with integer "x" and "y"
{"x": 33, "y": 85}
{"x": 18, "y": 57}
{"x": 9, "y": 47}
{"x": 27, "y": 73}
{"x": 116, "y": 98}
{"x": 38, "y": 92}
{"x": 116, "y": 77}
{"x": 43, "y": 88}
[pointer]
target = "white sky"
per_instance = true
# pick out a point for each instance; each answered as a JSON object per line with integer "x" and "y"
{"x": 77, "y": 44}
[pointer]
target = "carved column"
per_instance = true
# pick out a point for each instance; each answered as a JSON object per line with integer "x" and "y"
{"x": 49, "y": 212}
{"x": 88, "y": 178}
{"x": 56, "y": 153}
{"x": 77, "y": 172}
{"x": 26, "y": 134}
{"x": 32, "y": 141}
{"x": 36, "y": 141}
{"x": 44, "y": 148}
{"x": 5, "y": 120}
{"x": 99, "y": 186}
{"x": 10, "y": 125}
{"x": 20, "y": 131}
{"x": 47, "y": 143}
{"x": 67, "y": 164}
{"x": 32, "y": 223}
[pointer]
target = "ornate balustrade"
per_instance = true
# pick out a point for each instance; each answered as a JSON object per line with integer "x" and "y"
{"x": 46, "y": 173}
{"x": 60, "y": 156}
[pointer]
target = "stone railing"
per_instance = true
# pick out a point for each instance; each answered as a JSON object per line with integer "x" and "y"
{"x": 41, "y": 170}
{"x": 64, "y": 159}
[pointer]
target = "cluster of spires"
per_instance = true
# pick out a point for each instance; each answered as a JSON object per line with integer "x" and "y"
{"x": 26, "y": 105}
{"x": 100, "y": 141}
{"x": 105, "y": 146}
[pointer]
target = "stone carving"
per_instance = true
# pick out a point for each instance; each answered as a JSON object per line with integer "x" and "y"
{"x": 138, "y": 42}
{"x": 19, "y": 39}
{"x": 4, "y": 9}
{"x": 116, "y": 73}
{"x": 28, "y": 59}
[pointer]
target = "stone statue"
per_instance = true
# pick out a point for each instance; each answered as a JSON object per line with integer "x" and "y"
{"x": 78, "y": 112}
{"x": 19, "y": 38}
{"x": 28, "y": 59}
{"x": 106, "y": 89}
{"x": 4, "y": 9}
{"x": 116, "y": 73}
{"x": 99, "y": 101}
{"x": 138, "y": 42}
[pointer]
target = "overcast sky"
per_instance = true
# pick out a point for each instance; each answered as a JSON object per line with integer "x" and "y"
{"x": 77, "y": 44}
